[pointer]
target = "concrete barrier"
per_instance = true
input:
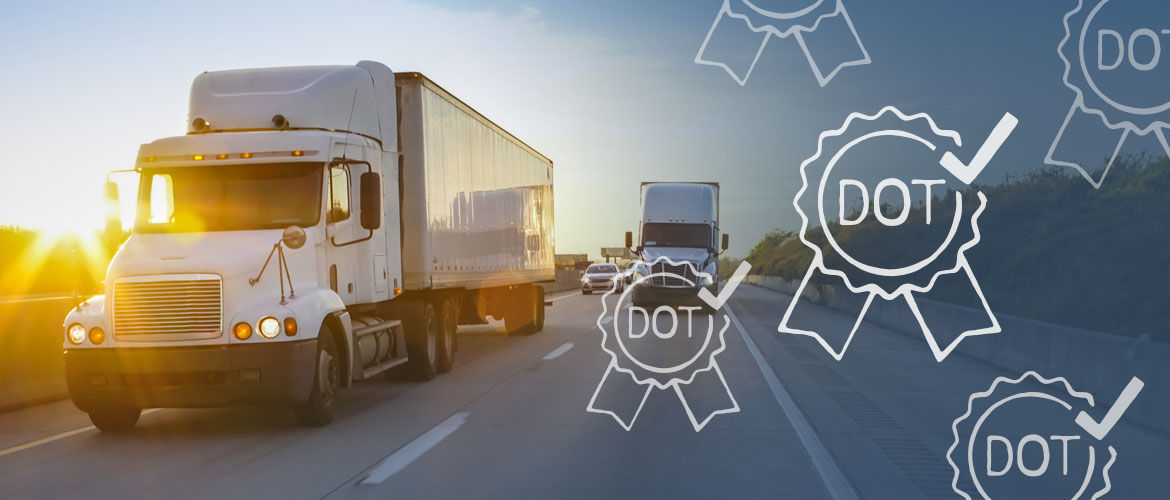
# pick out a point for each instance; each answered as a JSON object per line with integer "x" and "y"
{"x": 1094, "y": 362}
{"x": 566, "y": 280}
{"x": 31, "y": 363}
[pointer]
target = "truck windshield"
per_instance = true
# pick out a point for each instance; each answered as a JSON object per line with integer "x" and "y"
{"x": 229, "y": 197}
{"x": 676, "y": 235}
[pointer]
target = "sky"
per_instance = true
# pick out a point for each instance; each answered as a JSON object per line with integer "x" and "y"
{"x": 607, "y": 89}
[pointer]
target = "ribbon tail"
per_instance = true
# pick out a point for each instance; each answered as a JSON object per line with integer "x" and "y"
{"x": 1070, "y": 143}
{"x": 803, "y": 318}
{"x": 733, "y": 44}
{"x": 705, "y": 396}
{"x": 945, "y": 325}
{"x": 829, "y": 39}
{"x": 620, "y": 396}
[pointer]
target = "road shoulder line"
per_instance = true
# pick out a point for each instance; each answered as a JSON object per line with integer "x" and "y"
{"x": 56, "y": 437}
{"x": 833, "y": 479}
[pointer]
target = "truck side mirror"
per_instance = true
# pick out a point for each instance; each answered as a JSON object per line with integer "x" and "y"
{"x": 726, "y": 241}
{"x": 371, "y": 201}
{"x": 629, "y": 239}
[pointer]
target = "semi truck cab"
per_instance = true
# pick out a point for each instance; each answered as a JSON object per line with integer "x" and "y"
{"x": 679, "y": 242}
{"x": 265, "y": 264}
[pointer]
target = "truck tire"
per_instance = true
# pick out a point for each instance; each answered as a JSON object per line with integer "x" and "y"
{"x": 318, "y": 410}
{"x": 422, "y": 332}
{"x": 522, "y": 311}
{"x": 539, "y": 323}
{"x": 114, "y": 417}
{"x": 448, "y": 315}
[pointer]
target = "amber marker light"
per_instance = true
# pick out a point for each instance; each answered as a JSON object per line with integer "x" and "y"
{"x": 290, "y": 326}
{"x": 298, "y": 153}
{"x": 221, "y": 157}
{"x": 96, "y": 335}
{"x": 197, "y": 157}
{"x": 242, "y": 331}
{"x": 245, "y": 155}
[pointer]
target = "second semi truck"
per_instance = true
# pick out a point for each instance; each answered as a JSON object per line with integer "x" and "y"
{"x": 679, "y": 242}
{"x": 315, "y": 226}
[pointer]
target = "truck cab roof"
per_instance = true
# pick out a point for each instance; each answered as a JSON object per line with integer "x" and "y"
{"x": 359, "y": 99}
{"x": 687, "y": 202}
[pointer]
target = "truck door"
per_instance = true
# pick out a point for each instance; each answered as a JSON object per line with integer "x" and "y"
{"x": 339, "y": 229}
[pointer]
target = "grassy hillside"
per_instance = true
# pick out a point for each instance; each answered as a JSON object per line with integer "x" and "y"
{"x": 1053, "y": 248}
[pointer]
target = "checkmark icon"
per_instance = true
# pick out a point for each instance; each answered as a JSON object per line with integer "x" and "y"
{"x": 1100, "y": 429}
{"x": 736, "y": 277}
{"x": 968, "y": 173}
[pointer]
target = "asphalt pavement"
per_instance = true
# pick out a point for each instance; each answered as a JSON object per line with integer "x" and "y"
{"x": 511, "y": 422}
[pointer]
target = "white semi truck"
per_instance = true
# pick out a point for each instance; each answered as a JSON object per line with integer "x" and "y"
{"x": 678, "y": 244}
{"x": 314, "y": 227}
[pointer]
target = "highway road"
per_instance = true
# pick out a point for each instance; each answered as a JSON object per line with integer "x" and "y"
{"x": 511, "y": 422}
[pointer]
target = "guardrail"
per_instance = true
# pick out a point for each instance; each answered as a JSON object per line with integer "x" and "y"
{"x": 1095, "y": 362}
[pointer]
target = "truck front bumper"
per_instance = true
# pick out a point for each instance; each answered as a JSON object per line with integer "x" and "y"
{"x": 271, "y": 373}
{"x": 645, "y": 294}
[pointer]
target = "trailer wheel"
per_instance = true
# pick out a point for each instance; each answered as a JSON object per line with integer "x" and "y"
{"x": 318, "y": 410}
{"x": 448, "y": 316}
{"x": 539, "y": 323}
{"x": 114, "y": 417}
{"x": 422, "y": 332}
{"x": 522, "y": 311}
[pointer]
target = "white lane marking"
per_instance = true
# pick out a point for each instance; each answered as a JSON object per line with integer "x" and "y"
{"x": 405, "y": 455}
{"x": 556, "y": 353}
{"x": 565, "y": 296}
{"x": 55, "y": 437}
{"x": 830, "y": 473}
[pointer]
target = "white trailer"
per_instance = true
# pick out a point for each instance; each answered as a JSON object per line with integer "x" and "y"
{"x": 314, "y": 227}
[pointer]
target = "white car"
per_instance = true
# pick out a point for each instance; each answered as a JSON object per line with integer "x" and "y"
{"x": 601, "y": 278}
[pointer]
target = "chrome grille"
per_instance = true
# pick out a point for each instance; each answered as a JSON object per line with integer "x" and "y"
{"x": 187, "y": 308}
{"x": 685, "y": 270}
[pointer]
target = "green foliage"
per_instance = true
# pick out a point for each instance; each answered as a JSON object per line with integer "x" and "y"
{"x": 32, "y": 262}
{"x": 1053, "y": 248}
{"x": 727, "y": 266}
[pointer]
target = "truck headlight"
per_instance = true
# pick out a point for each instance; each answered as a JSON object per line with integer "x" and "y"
{"x": 76, "y": 333}
{"x": 268, "y": 327}
{"x": 706, "y": 280}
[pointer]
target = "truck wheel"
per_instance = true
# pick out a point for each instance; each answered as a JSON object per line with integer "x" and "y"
{"x": 522, "y": 311}
{"x": 539, "y": 323}
{"x": 448, "y": 323}
{"x": 114, "y": 417}
{"x": 422, "y": 333}
{"x": 318, "y": 410}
